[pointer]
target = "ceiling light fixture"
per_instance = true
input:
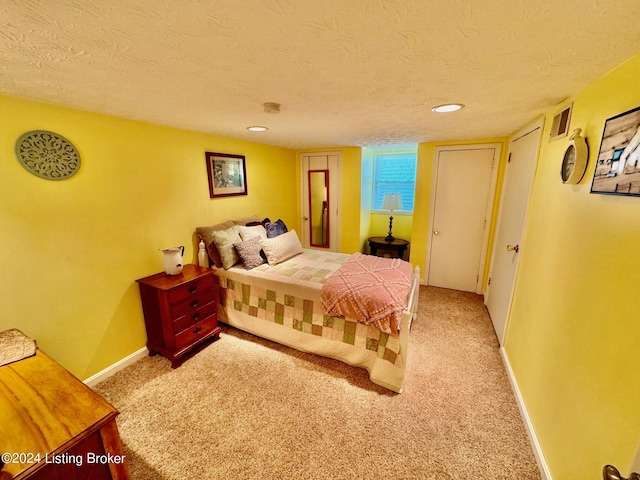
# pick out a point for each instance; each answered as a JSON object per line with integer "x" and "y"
{"x": 449, "y": 107}
{"x": 257, "y": 128}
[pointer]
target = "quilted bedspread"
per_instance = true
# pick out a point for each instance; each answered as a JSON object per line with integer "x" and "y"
{"x": 289, "y": 294}
{"x": 369, "y": 289}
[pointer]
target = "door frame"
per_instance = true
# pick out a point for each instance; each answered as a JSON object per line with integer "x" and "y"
{"x": 334, "y": 204}
{"x": 488, "y": 209}
{"x": 526, "y": 130}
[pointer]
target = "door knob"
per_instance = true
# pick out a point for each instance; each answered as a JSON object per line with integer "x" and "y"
{"x": 513, "y": 248}
{"x": 305, "y": 217}
{"x": 436, "y": 232}
{"x": 609, "y": 472}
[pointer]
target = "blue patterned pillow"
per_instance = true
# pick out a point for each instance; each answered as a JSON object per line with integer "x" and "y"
{"x": 275, "y": 228}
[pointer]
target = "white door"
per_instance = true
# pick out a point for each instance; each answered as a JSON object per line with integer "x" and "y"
{"x": 507, "y": 247}
{"x": 462, "y": 199}
{"x": 320, "y": 200}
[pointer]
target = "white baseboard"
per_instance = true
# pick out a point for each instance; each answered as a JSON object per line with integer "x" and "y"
{"x": 537, "y": 450}
{"x": 116, "y": 367}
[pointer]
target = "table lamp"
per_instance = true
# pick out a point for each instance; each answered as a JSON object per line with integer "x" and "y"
{"x": 391, "y": 202}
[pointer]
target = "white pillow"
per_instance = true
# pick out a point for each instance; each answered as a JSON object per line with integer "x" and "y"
{"x": 253, "y": 231}
{"x": 281, "y": 248}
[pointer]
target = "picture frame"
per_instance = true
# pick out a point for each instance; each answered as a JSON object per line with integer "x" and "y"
{"x": 618, "y": 163}
{"x": 227, "y": 174}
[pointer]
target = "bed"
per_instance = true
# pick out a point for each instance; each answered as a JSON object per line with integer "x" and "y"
{"x": 283, "y": 302}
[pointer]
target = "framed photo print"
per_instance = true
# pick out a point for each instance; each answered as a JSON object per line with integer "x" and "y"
{"x": 227, "y": 174}
{"x": 618, "y": 164}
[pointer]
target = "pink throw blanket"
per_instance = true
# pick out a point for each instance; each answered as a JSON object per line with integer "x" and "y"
{"x": 369, "y": 289}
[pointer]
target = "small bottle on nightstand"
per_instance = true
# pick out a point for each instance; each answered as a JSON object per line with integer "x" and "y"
{"x": 202, "y": 255}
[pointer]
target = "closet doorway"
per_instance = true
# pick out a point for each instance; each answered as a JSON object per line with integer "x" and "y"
{"x": 464, "y": 179}
{"x": 516, "y": 190}
{"x": 320, "y": 200}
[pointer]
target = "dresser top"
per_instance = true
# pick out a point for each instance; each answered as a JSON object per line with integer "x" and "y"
{"x": 167, "y": 282}
{"x": 43, "y": 407}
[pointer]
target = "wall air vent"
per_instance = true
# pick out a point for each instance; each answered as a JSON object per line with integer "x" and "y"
{"x": 560, "y": 126}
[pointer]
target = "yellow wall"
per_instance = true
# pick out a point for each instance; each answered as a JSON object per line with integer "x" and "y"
{"x": 574, "y": 332}
{"x": 74, "y": 248}
{"x": 422, "y": 206}
{"x": 402, "y": 225}
{"x": 351, "y": 185}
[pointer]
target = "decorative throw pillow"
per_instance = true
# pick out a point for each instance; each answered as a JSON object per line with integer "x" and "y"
{"x": 255, "y": 231}
{"x": 206, "y": 234}
{"x": 281, "y": 248}
{"x": 250, "y": 252}
{"x": 275, "y": 228}
{"x": 224, "y": 240}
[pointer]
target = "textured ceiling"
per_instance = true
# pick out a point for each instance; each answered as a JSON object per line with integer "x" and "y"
{"x": 347, "y": 72}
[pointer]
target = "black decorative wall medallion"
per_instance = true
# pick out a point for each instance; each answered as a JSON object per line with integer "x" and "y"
{"x": 47, "y": 155}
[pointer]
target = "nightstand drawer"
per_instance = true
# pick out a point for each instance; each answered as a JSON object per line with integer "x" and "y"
{"x": 190, "y": 289}
{"x": 179, "y": 324}
{"x": 191, "y": 304}
{"x": 196, "y": 332}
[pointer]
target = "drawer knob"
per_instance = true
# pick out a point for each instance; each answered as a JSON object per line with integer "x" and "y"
{"x": 197, "y": 330}
{"x": 195, "y": 316}
{"x": 193, "y": 288}
{"x": 194, "y": 303}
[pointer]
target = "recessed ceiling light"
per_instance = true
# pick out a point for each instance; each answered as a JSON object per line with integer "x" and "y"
{"x": 257, "y": 129}
{"x": 449, "y": 107}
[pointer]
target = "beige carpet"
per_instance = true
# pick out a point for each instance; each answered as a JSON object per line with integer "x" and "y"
{"x": 245, "y": 408}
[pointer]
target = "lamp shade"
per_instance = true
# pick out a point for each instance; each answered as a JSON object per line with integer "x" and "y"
{"x": 392, "y": 202}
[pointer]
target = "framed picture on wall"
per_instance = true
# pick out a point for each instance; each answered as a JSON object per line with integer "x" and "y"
{"x": 618, "y": 163}
{"x": 227, "y": 174}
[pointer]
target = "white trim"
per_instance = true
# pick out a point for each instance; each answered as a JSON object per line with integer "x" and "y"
{"x": 93, "y": 380}
{"x": 533, "y": 439}
{"x": 488, "y": 216}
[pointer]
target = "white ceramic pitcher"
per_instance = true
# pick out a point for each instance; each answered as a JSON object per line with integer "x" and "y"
{"x": 173, "y": 260}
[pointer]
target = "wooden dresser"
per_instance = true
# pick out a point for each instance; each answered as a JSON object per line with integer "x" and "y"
{"x": 54, "y": 427}
{"x": 179, "y": 311}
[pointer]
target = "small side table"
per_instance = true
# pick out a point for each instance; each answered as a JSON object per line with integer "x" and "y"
{"x": 383, "y": 248}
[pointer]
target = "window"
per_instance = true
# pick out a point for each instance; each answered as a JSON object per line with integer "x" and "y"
{"x": 394, "y": 173}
